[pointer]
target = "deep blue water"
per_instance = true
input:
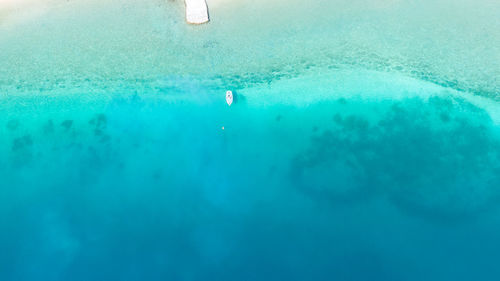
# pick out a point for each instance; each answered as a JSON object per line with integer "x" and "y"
{"x": 370, "y": 183}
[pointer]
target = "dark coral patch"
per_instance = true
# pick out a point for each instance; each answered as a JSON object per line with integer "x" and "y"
{"x": 428, "y": 164}
{"x": 22, "y": 142}
{"x": 66, "y": 124}
{"x": 99, "y": 121}
{"x": 99, "y": 124}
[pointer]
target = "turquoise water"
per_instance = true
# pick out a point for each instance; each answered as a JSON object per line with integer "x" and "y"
{"x": 120, "y": 160}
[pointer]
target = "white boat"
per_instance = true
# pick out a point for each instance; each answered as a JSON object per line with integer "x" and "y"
{"x": 229, "y": 98}
{"x": 196, "y": 11}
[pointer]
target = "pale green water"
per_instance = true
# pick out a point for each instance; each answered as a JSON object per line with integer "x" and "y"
{"x": 363, "y": 145}
{"x": 452, "y": 43}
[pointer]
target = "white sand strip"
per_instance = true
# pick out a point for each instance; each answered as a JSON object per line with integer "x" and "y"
{"x": 196, "y": 11}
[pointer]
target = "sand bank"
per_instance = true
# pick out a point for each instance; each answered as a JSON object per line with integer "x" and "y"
{"x": 454, "y": 44}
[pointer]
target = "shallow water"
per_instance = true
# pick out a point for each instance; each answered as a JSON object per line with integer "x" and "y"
{"x": 113, "y": 167}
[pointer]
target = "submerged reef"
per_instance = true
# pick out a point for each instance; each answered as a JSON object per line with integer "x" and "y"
{"x": 438, "y": 158}
{"x": 343, "y": 189}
